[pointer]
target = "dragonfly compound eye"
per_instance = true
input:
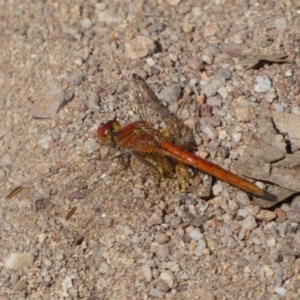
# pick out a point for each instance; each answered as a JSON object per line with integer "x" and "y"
{"x": 104, "y": 133}
{"x": 106, "y": 130}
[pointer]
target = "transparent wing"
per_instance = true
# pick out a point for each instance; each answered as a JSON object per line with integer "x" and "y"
{"x": 152, "y": 111}
{"x": 100, "y": 175}
{"x": 149, "y": 106}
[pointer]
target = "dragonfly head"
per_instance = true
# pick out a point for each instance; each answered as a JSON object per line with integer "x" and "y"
{"x": 107, "y": 130}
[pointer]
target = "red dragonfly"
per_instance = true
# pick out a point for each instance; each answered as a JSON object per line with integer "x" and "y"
{"x": 156, "y": 148}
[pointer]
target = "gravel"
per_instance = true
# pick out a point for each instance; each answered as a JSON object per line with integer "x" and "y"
{"x": 65, "y": 68}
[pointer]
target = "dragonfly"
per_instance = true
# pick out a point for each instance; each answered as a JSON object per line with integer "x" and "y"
{"x": 157, "y": 148}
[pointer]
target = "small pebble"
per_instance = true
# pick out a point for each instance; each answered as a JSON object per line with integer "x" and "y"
{"x": 107, "y": 16}
{"x": 195, "y": 234}
{"x": 5, "y": 160}
{"x": 139, "y": 47}
{"x": 18, "y": 260}
{"x": 147, "y": 272}
{"x": 223, "y": 92}
{"x": 244, "y": 114}
{"x": 281, "y": 23}
{"x": 210, "y": 29}
{"x": 162, "y": 285}
{"x": 249, "y": 223}
{"x": 207, "y": 58}
{"x": 86, "y": 23}
{"x": 59, "y": 256}
{"x": 150, "y": 61}
{"x": 293, "y": 214}
{"x": 268, "y": 272}
{"x": 201, "y": 249}
{"x": 214, "y": 101}
{"x": 128, "y": 230}
{"x": 209, "y": 130}
{"x": 263, "y": 84}
{"x": 236, "y": 136}
{"x": 78, "y": 61}
{"x": 295, "y": 110}
{"x": 161, "y": 238}
{"x": 271, "y": 242}
{"x": 194, "y": 63}
{"x": 76, "y": 79}
{"x": 288, "y": 73}
{"x": 281, "y": 291}
{"x": 155, "y": 293}
{"x": 170, "y": 94}
{"x": 270, "y": 96}
{"x": 266, "y": 215}
{"x": 155, "y": 219}
{"x": 66, "y": 283}
{"x": 169, "y": 278}
{"x": 46, "y": 142}
{"x": 278, "y": 107}
{"x": 173, "y": 2}
{"x": 214, "y": 84}
{"x": 104, "y": 268}
{"x": 48, "y": 262}
{"x": 242, "y": 198}
{"x": 217, "y": 189}
{"x": 173, "y": 266}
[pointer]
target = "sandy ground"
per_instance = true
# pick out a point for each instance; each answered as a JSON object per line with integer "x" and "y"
{"x": 66, "y": 66}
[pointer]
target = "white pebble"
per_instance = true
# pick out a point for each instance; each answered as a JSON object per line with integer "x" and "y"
{"x": 217, "y": 189}
{"x": 193, "y": 82}
{"x": 173, "y": 2}
{"x": 281, "y": 23}
{"x": 46, "y": 142}
{"x": 263, "y": 84}
{"x": 139, "y": 47}
{"x": 48, "y": 262}
{"x": 295, "y": 110}
{"x": 197, "y": 11}
{"x": 209, "y": 130}
{"x": 236, "y": 136}
{"x": 223, "y": 134}
{"x": 278, "y": 107}
{"x": 205, "y": 81}
{"x": 242, "y": 212}
{"x": 147, "y": 272}
{"x": 18, "y": 260}
{"x": 200, "y": 249}
{"x": 86, "y": 23}
{"x": 196, "y": 234}
{"x": 66, "y": 283}
{"x": 288, "y": 73}
{"x": 104, "y": 268}
{"x": 5, "y": 160}
{"x": 271, "y": 242}
{"x": 223, "y": 92}
{"x": 150, "y": 61}
{"x": 249, "y": 223}
{"x": 207, "y": 58}
{"x": 280, "y": 291}
{"x": 42, "y": 237}
{"x": 169, "y": 278}
{"x": 78, "y": 61}
{"x": 270, "y": 96}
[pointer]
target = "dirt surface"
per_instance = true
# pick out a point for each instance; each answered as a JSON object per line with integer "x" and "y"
{"x": 65, "y": 67}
